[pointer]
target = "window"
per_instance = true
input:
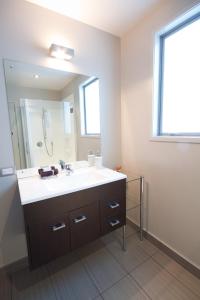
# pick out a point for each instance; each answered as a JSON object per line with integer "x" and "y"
{"x": 178, "y": 78}
{"x": 90, "y": 116}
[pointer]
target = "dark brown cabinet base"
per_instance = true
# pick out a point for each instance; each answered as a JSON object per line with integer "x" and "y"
{"x": 58, "y": 225}
{"x": 47, "y": 240}
{"x": 84, "y": 225}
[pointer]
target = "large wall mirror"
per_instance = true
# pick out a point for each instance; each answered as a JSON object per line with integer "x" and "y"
{"x": 54, "y": 115}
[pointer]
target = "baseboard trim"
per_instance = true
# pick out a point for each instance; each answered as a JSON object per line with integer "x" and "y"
{"x": 15, "y": 266}
{"x": 174, "y": 255}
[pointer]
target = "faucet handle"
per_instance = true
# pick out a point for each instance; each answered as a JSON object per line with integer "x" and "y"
{"x": 68, "y": 169}
{"x": 62, "y": 164}
{"x": 68, "y": 166}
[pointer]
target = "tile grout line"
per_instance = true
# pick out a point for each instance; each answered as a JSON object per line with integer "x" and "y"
{"x": 51, "y": 281}
{"x": 141, "y": 287}
{"x": 123, "y": 268}
{"x": 90, "y": 274}
{"x": 82, "y": 264}
{"x": 166, "y": 272}
{"x": 87, "y": 271}
{"x": 194, "y": 270}
{"x": 91, "y": 277}
{"x": 108, "y": 288}
{"x": 150, "y": 255}
{"x": 176, "y": 277}
{"x": 128, "y": 272}
{"x": 11, "y": 285}
{"x": 127, "y": 275}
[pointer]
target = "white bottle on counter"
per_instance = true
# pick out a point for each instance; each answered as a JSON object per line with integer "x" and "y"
{"x": 98, "y": 161}
{"x": 91, "y": 159}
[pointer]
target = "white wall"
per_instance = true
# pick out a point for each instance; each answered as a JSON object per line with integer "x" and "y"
{"x": 26, "y": 31}
{"x": 171, "y": 170}
{"x": 15, "y": 93}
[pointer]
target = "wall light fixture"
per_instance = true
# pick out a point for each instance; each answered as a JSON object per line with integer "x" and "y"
{"x": 61, "y": 52}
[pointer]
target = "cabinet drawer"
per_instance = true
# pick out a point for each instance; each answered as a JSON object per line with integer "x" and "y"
{"x": 48, "y": 240}
{"x": 84, "y": 225}
{"x": 111, "y": 207}
{"x": 113, "y": 199}
{"x": 45, "y": 209}
{"x": 112, "y": 223}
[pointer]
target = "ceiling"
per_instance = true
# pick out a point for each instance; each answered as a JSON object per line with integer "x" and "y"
{"x": 22, "y": 74}
{"x": 113, "y": 16}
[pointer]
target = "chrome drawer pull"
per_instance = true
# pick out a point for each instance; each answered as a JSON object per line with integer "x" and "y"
{"x": 114, "y": 205}
{"x": 114, "y": 223}
{"x": 80, "y": 219}
{"x": 58, "y": 226}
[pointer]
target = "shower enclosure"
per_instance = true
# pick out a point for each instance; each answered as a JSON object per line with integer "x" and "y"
{"x": 48, "y": 129}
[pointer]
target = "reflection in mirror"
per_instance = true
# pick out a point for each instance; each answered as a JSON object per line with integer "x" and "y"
{"x": 54, "y": 115}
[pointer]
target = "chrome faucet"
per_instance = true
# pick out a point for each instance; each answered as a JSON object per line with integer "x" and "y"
{"x": 68, "y": 169}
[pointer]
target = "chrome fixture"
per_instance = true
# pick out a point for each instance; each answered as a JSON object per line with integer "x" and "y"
{"x": 68, "y": 169}
{"x": 61, "y": 52}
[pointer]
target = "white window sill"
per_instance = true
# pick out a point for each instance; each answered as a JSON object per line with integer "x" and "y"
{"x": 90, "y": 136}
{"x": 176, "y": 139}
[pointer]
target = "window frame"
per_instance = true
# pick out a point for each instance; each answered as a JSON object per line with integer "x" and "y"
{"x": 84, "y": 112}
{"x": 178, "y": 24}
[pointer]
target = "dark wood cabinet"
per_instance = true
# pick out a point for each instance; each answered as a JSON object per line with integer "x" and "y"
{"x": 48, "y": 239}
{"x": 84, "y": 225}
{"x": 58, "y": 225}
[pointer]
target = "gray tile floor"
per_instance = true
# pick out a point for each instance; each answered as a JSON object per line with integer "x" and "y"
{"x": 101, "y": 270}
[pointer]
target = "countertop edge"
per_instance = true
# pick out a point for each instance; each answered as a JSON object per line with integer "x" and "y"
{"x": 52, "y": 195}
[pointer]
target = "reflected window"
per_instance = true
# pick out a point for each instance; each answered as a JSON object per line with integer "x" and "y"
{"x": 90, "y": 115}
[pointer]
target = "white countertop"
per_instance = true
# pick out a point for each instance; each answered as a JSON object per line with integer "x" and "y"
{"x": 33, "y": 188}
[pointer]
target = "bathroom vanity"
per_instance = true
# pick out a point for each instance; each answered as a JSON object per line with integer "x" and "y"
{"x": 66, "y": 212}
{"x": 63, "y": 212}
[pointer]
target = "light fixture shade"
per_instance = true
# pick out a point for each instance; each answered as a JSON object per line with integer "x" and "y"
{"x": 61, "y": 52}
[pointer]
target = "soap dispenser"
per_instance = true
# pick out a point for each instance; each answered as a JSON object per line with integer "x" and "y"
{"x": 98, "y": 160}
{"x": 91, "y": 158}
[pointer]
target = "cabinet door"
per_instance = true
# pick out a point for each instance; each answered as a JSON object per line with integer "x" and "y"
{"x": 47, "y": 240}
{"x": 84, "y": 225}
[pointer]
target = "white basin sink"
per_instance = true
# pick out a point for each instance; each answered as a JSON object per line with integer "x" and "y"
{"x": 73, "y": 180}
{"x": 34, "y": 188}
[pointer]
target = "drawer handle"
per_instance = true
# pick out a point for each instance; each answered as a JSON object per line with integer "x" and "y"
{"x": 114, "y": 223}
{"x": 80, "y": 219}
{"x": 58, "y": 226}
{"x": 114, "y": 205}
